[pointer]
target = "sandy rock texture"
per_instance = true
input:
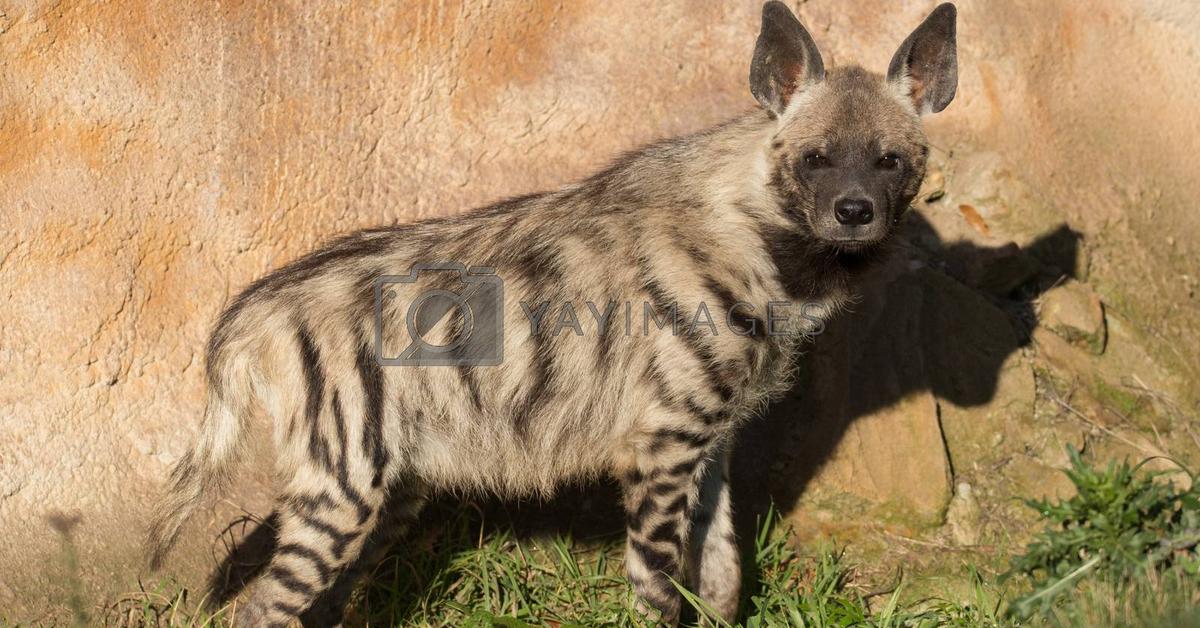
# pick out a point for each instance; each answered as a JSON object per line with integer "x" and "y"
{"x": 155, "y": 157}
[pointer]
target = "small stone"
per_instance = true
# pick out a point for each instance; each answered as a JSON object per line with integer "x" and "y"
{"x": 1061, "y": 354}
{"x": 1076, "y": 314}
{"x": 934, "y": 186}
{"x": 973, "y": 218}
{"x": 963, "y": 516}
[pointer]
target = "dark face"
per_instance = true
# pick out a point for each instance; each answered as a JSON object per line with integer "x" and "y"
{"x": 849, "y": 153}
{"x": 850, "y": 160}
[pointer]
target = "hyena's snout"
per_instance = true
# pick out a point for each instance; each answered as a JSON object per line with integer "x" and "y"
{"x": 851, "y": 213}
{"x": 854, "y": 212}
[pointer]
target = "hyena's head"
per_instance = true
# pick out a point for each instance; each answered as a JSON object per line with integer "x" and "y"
{"x": 849, "y": 153}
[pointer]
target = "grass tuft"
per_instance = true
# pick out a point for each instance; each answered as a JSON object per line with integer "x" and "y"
{"x": 1126, "y": 535}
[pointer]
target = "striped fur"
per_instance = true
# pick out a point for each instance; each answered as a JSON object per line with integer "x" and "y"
{"x": 706, "y": 221}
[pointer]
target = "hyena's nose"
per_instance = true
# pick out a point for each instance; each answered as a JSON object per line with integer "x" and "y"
{"x": 854, "y": 211}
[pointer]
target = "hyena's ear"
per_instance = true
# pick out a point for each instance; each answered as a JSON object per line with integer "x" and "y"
{"x": 785, "y": 58}
{"x": 927, "y": 62}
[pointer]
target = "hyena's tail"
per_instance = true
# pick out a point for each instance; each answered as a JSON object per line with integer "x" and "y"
{"x": 205, "y": 469}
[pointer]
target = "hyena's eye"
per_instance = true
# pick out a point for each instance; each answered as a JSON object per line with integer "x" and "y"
{"x": 814, "y": 161}
{"x": 888, "y": 162}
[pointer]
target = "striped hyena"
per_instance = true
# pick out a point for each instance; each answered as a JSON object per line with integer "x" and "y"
{"x": 785, "y": 205}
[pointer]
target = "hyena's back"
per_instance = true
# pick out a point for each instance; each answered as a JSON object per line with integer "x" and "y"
{"x": 508, "y": 422}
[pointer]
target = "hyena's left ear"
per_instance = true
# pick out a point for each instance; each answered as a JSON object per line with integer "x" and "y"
{"x": 927, "y": 62}
{"x": 785, "y": 58}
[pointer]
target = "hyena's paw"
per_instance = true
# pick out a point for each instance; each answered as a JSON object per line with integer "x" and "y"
{"x": 657, "y": 608}
{"x": 256, "y": 612}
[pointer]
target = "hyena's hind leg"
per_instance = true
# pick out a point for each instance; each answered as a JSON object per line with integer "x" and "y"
{"x": 322, "y": 530}
{"x": 404, "y": 505}
{"x": 714, "y": 558}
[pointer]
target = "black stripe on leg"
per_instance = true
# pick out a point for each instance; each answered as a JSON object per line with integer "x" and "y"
{"x": 287, "y": 578}
{"x": 343, "y": 471}
{"x": 709, "y": 418}
{"x": 632, "y": 477}
{"x": 660, "y": 593}
{"x": 289, "y": 609}
{"x": 654, "y": 560}
{"x": 666, "y": 532}
{"x": 310, "y": 503}
{"x": 340, "y": 539}
{"x": 314, "y": 379}
{"x": 634, "y": 518}
{"x": 371, "y": 376}
{"x": 682, "y": 468}
{"x": 309, "y": 554}
{"x": 692, "y": 440}
{"x": 679, "y": 505}
{"x": 664, "y": 488}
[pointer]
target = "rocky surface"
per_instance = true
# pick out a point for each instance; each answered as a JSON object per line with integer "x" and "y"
{"x": 1074, "y": 312}
{"x": 155, "y": 157}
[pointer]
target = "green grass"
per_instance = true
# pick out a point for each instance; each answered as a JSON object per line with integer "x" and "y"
{"x": 503, "y": 582}
{"x": 1121, "y": 552}
{"x": 497, "y": 581}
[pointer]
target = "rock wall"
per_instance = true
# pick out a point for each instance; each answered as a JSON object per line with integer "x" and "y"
{"x": 157, "y": 156}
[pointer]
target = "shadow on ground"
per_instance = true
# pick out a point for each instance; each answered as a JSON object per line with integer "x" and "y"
{"x": 944, "y": 318}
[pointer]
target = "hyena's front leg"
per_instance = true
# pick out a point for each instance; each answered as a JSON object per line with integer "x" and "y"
{"x": 658, "y": 488}
{"x": 714, "y": 560}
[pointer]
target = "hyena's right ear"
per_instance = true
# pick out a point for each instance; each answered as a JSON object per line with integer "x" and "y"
{"x": 928, "y": 61}
{"x": 785, "y": 58}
